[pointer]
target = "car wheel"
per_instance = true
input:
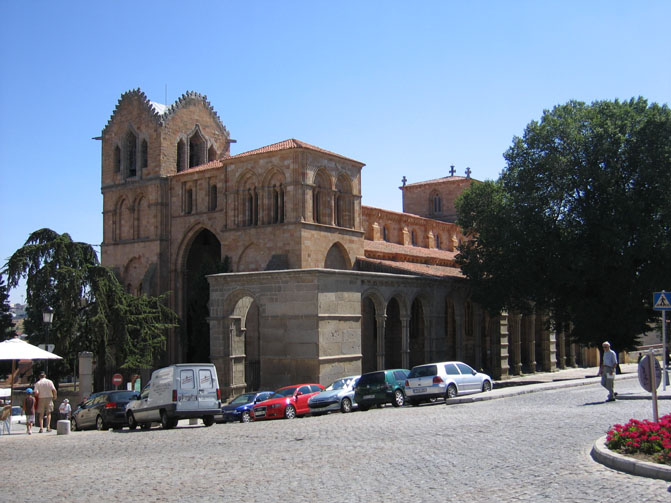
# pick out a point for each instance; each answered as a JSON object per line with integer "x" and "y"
{"x": 166, "y": 423}
{"x": 486, "y": 386}
{"x": 289, "y": 412}
{"x": 100, "y": 424}
{"x": 245, "y": 417}
{"x": 208, "y": 420}
{"x": 132, "y": 423}
{"x": 399, "y": 398}
{"x": 73, "y": 424}
{"x": 346, "y": 405}
{"x": 145, "y": 426}
{"x": 451, "y": 392}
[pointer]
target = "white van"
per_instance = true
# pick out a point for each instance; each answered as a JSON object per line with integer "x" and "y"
{"x": 182, "y": 391}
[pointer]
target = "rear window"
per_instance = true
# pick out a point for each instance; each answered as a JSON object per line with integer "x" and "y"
{"x": 423, "y": 371}
{"x": 123, "y": 396}
{"x": 401, "y": 375}
{"x": 370, "y": 379}
{"x": 186, "y": 379}
{"x": 206, "y": 379}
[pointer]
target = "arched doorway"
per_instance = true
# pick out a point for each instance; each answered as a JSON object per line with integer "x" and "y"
{"x": 368, "y": 336}
{"x": 252, "y": 349}
{"x": 393, "y": 344}
{"x": 417, "y": 333}
{"x": 204, "y": 258}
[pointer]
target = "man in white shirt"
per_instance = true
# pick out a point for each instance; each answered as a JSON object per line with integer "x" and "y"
{"x": 608, "y": 364}
{"x": 46, "y": 392}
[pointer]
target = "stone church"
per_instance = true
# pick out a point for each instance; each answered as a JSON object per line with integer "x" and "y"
{"x": 277, "y": 271}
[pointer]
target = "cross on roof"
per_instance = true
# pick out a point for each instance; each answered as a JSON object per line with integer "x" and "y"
{"x": 452, "y": 170}
{"x": 468, "y": 172}
{"x": 404, "y": 179}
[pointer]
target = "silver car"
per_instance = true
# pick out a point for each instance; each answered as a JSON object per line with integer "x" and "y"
{"x": 444, "y": 380}
{"x": 337, "y": 396}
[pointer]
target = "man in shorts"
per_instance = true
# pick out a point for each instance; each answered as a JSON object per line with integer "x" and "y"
{"x": 46, "y": 392}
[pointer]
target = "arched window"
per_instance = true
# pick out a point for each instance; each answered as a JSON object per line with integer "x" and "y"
{"x": 188, "y": 203}
{"x": 251, "y": 207}
{"x": 117, "y": 159}
{"x": 438, "y": 241}
{"x": 145, "y": 155}
{"x": 131, "y": 154}
{"x": 321, "y": 199}
{"x": 181, "y": 148}
{"x": 197, "y": 150}
{"x": 385, "y": 233}
{"x": 413, "y": 238}
{"x": 344, "y": 203}
{"x": 435, "y": 204}
{"x": 277, "y": 210}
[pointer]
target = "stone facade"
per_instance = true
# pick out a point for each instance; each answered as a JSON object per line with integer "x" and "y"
{"x": 318, "y": 286}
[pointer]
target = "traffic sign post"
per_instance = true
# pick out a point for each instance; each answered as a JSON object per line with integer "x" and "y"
{"x": 661, "y": 301}
{"x": 649, "y": 374}
{"x": 117, "y": 379}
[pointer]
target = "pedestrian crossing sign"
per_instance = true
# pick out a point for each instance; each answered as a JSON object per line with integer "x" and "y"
{"x": 661, "y": 301}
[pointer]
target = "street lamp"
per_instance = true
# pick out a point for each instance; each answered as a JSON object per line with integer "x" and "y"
{"x": 47, "y": 317}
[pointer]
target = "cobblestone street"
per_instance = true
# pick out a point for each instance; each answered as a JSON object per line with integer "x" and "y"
{"x": 527, "y": 448}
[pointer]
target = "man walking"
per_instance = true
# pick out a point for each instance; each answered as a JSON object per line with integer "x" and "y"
{"x": 607, "y": 371}
{"x": 46, "y": 393}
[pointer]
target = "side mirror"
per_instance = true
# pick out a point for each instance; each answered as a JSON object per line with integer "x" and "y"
{"x": 298, "y": 393}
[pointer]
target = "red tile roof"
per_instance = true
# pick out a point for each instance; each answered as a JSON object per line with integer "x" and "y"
{"x": 445, "y": 179}
{"x": 434, "y": 271}
{"x": 286, "y": 145}
{"x": 385, "y": 249}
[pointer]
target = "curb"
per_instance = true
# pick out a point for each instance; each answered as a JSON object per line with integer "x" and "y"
{"x": 523, "y": 389}
{"x": 602, "y": 454}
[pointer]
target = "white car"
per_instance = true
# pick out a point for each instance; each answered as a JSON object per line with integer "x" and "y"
{"x": 18, "y": 417}
{"x": 443, "y": 380}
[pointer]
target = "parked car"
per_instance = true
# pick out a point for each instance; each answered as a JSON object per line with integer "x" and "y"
{"x": 339, "y": 395}
{"x": 103, "y": 410}
{"x": 287, "y": 402}
{"x": 381, "y": 387}
{"x": 240, "y": 408}
{"x": 18, "y": 417}
{"x": 181, "y": 391}
{"x": 444, "y": 380}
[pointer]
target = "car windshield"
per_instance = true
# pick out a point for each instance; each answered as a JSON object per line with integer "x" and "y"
{"x": 281, "y": 393}
{"x": 243, "y": 399}
{"x": 339, "y": 384}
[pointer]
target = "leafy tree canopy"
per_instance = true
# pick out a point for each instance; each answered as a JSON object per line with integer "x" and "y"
{"x": 579, "y": 224}
{"x": 92, "y": 312}
{"x": 6, "y": 323}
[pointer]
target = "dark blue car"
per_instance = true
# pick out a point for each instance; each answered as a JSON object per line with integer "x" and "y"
{"x": 239, "y": 408}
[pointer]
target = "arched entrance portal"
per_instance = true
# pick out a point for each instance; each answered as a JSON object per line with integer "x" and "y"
{"x": 393, "y": 344}
{"x": 204, "y": 258}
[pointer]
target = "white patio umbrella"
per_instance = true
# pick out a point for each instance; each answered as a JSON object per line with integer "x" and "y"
{"x": 16, "y": 349}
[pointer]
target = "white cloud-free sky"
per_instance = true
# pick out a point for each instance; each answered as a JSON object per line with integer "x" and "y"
{"x": 409, "y": 88}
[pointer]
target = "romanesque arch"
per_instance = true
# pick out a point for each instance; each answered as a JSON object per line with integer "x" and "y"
{"x": 372, "y": 331}
{"x": 322, "y": 193}
{"x": 202, "y": 257}
{"x": 417, "y": 333}
{"x": 337, "y": 258}
{"x": 344, "y": 202}
{"x": 393, "y": 333}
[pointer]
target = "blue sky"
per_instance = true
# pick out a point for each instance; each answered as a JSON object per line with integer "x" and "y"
{"x": 408, "y": 88}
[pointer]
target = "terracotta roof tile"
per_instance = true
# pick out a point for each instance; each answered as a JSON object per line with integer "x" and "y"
{"x": 434, "y": 271}
{"x": 423, "y": 254}
{"x": 445, "y": 179}
{"x": 286, "y": 145}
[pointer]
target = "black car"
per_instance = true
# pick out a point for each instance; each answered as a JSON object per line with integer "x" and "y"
{"x": 103, "y": 410}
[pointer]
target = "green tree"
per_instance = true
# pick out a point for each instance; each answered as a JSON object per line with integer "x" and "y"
{"x": 6, "y": 322}
{"x": 92, "y": 312}
{"x": 579, "y": 224}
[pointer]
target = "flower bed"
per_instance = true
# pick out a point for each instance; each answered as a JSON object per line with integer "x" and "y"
{"x": 643, "y": 437}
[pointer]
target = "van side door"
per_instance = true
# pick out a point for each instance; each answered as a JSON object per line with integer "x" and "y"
{"x": 207, "y": 389}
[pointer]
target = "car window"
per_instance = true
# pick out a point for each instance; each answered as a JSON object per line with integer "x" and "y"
{"x": 264, "y": 396}
{"x": 99, "y": 399}
{"x": 424, "y": 371}
{"x": 304, "y": 389}
{"x": 123, "y": 396}
{"x": 205, "y": 378}
{"x": 371, "y": 379}
{"x": 451, "y": 369}
{"x": 315, "y": 388}
{"x": 186, "y": 379}
{"x": 145, "y": 393}
{"x": 285, "y": 392}
{"x": 400, "y": 375}
{"x": 465, "y": 369}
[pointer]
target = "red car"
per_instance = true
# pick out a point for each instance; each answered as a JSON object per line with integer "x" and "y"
{"x": 287, "y": 402}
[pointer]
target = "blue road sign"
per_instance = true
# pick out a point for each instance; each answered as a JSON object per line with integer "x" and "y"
{"x": 661, "y": 301}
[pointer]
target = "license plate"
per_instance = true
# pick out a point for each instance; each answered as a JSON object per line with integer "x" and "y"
{"x": 368, "y": 397}
{"x": 260, "y": 413}
{"x": 419, "y": 390}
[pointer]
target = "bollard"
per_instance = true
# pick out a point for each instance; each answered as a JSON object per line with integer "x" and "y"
{"x": 63, "y": 427}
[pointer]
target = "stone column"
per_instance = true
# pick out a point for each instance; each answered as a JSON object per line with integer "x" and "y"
{"x": 571, "y": 356}
{"x": 530, "y": 342}
{"x": 381, "y": 321}
{"x": 548, "y": 346}
{"x": 514, "y": 328}
{"x": 405, "y": 342}
{"x": 561, "y": 349}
